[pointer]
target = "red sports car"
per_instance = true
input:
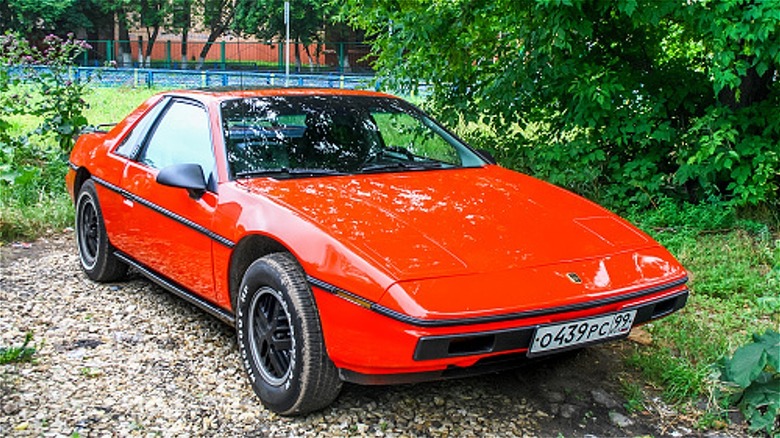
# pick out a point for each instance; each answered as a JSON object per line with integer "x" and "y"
{"x": 349, "y": 237}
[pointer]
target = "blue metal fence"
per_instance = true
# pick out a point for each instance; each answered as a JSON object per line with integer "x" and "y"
{"x": 163, "y": 78}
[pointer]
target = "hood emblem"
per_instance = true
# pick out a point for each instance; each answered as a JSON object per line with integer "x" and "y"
{"x": 574, "y": 278}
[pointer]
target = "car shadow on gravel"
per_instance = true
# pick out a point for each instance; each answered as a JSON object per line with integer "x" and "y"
{"x": 569, "y": 394}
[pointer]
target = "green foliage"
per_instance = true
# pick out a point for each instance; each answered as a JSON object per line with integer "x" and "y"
{"x": 45, "y": 88}
{"x": 28, "y": 16}
{"x": 754, "y": 370}
{"x": 632, "y": 392}
{"x": 735, "y": 285}
{"x": 626, "y": 102}
{"x": 49, "y": 212}
{"x": 38, "y": 203}
{"x": 265, "y": 19}
{"x": 686, "y": 345}
{"x": 731, "y": 258}
{"x": 669, "y": 215}
{"x": 22, "y": 353}
{"x": 734, "y": 152}
{"x": 32, "y": 160}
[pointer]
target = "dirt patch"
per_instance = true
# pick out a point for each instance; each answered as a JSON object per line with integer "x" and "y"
{"x": 12, "y": 251}
{"x": 129, "y": 358}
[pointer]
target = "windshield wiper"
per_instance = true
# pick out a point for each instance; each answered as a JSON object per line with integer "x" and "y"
{"x": 289, "y": 171}
{"x": 401, "y": 165}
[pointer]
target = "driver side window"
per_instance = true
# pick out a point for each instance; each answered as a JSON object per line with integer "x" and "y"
{"x": 182, "y": 135}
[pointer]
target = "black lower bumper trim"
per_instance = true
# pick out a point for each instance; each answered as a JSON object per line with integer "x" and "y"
{"x": 441, "y": 347}
{"x": 437, "y": 347}
{"x": 485, "y": 366}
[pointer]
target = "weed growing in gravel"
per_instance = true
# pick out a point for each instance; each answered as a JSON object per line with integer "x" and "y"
{"x": 22, "y": 353}
{"x": 632, "y": 392}
{"x": 89, "y": 372}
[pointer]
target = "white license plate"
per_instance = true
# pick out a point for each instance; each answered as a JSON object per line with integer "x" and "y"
{"x": 550, "y": 338}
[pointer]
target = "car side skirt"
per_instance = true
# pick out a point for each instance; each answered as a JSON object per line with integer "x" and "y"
{"x": 178, "y": 290}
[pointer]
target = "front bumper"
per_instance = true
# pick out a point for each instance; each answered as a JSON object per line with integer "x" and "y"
{"x": 371, "y": 347}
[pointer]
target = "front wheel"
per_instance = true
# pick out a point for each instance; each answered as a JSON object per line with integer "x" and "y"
{"x": 95, "y": 251}
{"x": 280, "y": 338}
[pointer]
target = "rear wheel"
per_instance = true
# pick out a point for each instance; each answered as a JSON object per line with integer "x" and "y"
{"x": 280, "y": 338}
{"x": 95, "y": 251}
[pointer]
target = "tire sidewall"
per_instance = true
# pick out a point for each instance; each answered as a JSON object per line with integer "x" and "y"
{"x": 283, "y": 397}
{"x": 88, "y": 195}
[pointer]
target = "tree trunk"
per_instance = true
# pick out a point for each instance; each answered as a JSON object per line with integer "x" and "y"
{"x": 184, "y": 35}
{"x": 752, "y": 89}
{"x": 308, "y": 55}
{"x": 212, "y": 38}
{"x": 297, "y": 58}
{"x": 186, "y": 23}
{"x": 125, "y": 51}
{"x": 140, "y": 51}
{"x": 150, "y": 45}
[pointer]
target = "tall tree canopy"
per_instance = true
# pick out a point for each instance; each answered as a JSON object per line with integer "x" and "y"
{"x": 629, "y": 100}
{"x": 36, "y": 18}
{"x": 265, "y": 18}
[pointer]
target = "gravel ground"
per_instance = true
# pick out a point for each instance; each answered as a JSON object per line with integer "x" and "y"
{"x": 130, "y": 359}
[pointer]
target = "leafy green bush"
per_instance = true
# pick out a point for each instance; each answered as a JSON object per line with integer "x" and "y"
{"x": 753, "y": 373}
{"x": 625, "y": 102}
{"x": 43, "y": 86}
{"x": 38, "y": 203}
{"x": 33, "y": 161}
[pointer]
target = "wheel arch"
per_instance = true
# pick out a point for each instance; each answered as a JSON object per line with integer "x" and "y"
{"x": 246, "y": 251}
{"x": 82, "y": 174}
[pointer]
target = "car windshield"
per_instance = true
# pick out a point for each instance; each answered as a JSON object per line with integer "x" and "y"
{"x": 294, "y": 136}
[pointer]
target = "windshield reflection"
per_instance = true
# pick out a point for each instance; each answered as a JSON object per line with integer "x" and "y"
{"x": 299, "y": 136}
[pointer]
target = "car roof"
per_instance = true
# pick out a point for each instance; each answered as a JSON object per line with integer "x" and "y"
{"x": 227, "y": 93}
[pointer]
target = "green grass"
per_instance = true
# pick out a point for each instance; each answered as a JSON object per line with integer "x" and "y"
{"x": 735, "y": 284}
{"x": 51, "y": 213}
{"x": 111, "y": 105}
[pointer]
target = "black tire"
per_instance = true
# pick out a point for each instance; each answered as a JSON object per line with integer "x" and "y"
{"x": 280, "y": 338}
{"x": 95, "y": 251}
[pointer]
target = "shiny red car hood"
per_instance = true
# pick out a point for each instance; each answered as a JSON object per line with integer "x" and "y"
{"x": 429, "y": 224}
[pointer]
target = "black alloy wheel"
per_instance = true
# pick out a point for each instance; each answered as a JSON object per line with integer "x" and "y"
{"x": 95, "y": 251}
{"x": 271, "y": 337}
{"x": 280, "y": 338}
{"x": 88, "y": 234}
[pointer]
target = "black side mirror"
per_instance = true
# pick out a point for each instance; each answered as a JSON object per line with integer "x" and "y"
{"x": 186, "y": 176}
{"x": 487, "y": 156}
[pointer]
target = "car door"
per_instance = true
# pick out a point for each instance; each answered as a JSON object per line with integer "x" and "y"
{"x": 166, "y": 227}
